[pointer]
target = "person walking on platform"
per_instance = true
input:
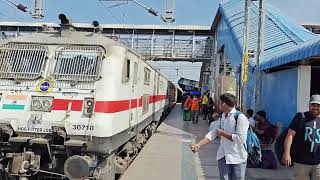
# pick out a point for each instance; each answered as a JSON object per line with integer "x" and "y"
{"x": 231, "y": 155}
{"x": 204, "y": 106}
{"x": 302, "y": 143}
{"x": 183, "y": 100}
{"x": 187, "y": 108}
{"x": 195, "y": 107}
{"x": 249, "y": 115}
{"x": 210, "y": 109}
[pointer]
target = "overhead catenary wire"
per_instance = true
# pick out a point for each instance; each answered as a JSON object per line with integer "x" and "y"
{"x": 4, "y": 15}
{"x": 150, "y": 10}
{"x": 15, "y": 17}
{"x": 13, "y": 5}
{"x": 122, "y": 11}
{"x": 10, "y": 2}
{"x": 114, "y": 17}
{"x": 119, "y": 5}
{"x": 19, "y": 6}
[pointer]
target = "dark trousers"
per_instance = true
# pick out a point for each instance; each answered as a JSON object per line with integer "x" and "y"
{"x": 204, "y": 110}
{"x": 195, "y": 116}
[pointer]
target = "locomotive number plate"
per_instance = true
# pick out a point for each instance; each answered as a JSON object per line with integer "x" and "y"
{"x": 79, "y": 128}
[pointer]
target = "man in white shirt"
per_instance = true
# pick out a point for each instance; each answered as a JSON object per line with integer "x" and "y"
{"x": 231, "y": 155}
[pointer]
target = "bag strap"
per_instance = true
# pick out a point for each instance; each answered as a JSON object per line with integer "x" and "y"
{"x": 302, "y": 121}
{"x": 236, "y": 116}
{"x": 220, "y": 117}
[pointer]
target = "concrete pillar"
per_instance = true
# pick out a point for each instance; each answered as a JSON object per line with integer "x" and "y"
{"x": 303, "y": 88}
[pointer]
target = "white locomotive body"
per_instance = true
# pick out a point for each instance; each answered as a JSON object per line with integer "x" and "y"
{"x": 75, "y": 105}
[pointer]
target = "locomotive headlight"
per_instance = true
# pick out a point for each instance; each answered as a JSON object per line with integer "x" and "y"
{"x": 36, "y": 104}
{"x": 89, "y": 103}
{"x": 41, "y": 103}
{"x": 46, "y": 103}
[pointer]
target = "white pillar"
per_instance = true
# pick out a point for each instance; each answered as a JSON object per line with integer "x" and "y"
{"x": 303, "y": 88}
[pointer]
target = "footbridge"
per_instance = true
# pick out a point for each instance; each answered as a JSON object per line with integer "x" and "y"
{"x": 155, "y": 42}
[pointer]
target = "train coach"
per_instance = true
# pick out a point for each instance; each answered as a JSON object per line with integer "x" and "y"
{"x": 75, "y": 105}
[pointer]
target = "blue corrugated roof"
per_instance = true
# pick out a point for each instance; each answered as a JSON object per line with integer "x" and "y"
{"x": 281, "y": 34}
{"x": 303, "y": 51}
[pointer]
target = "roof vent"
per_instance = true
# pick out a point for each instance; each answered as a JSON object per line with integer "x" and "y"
{"x": 97, "y": 28}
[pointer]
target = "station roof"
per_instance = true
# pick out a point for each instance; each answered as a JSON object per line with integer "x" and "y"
{"x": 281, "y": 33}
{"x": 304, "y": 51}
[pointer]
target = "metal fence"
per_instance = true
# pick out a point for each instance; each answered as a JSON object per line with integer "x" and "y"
{"x": 170, "y": 47}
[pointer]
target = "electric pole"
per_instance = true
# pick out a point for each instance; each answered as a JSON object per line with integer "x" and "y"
{"x": 168, "y": 16}
{"x": 260, "y": 50}
{"x": 245, "y": 57}
{"x": 169, "y": 11}
{"x": 37, "y": 9}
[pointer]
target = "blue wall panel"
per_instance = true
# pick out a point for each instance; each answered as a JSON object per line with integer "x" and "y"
{"x": 279, "y": 95}
{"x": 225, "y": 38}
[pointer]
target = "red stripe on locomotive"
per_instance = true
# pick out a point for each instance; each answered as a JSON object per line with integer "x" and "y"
{"x": 104, "y": 106}
{"x": 62, "y": 104}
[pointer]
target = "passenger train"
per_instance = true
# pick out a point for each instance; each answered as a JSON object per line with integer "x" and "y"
{"x": 75, "y": 105}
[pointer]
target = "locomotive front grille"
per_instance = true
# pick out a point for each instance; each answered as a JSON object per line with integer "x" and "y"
{"x": 78, "y": 63}
{"x": 22, "y": 61}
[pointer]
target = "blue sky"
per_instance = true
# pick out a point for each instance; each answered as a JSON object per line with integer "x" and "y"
{"x": 130, "y": 13}
{"x": 200, "y": 12}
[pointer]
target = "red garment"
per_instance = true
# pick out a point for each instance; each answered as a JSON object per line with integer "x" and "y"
{"x": 195, "y": 105}
{"x": 187, "y": 104}
{"x": 267, "y": 136}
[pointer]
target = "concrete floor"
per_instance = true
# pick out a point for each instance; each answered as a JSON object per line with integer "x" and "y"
{"x": 167, "y": 155}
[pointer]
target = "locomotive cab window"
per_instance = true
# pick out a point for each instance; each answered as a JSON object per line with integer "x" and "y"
{"x": 147, "y": 73}
{"x": 78, "y": 63}
{"x": 22, "y": 61}
{"x": 126, "y": 72}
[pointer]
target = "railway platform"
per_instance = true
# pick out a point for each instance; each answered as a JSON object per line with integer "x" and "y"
{"x": 167, "y": 155}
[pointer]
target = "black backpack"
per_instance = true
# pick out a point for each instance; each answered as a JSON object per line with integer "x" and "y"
{"x": 279, "y": 145}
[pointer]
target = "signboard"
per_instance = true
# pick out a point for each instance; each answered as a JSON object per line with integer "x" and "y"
{"x": 36, "y": 124}
{"x": 188, "y": 84}
{"x": 245, "y": 67}
{"x": 205, "y": 88}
